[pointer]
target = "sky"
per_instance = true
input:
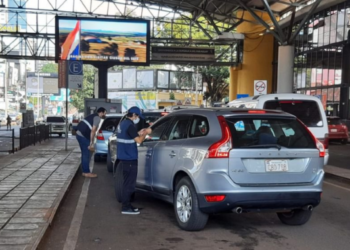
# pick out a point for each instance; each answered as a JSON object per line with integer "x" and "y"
{"x": 105, "y": 26}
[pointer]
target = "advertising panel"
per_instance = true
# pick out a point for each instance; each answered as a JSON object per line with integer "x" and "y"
{"x": 145, "y": 79}
{"x": 103, "y": 40}
{"x": 177, "y": 54}
{"x": 115, "y": 80}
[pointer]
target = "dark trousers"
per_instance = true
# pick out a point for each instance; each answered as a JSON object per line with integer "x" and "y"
{"x": 8, "y": 126}
{"x": 130, "y": 175}
{"x": 85, "y": 153}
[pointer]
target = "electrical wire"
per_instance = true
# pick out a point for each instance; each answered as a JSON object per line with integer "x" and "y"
{"x": 263, "y": 37}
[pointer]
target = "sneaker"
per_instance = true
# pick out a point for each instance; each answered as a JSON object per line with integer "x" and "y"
{"x": 134, "y": 208}
{"x": 130, "y": 211}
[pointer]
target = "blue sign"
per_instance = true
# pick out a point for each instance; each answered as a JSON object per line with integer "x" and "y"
{"x": 61, "y": 97}
{"x": 75, "y": 74}
{"x": 242, "y": 96}
{"x": 75, "y": 67}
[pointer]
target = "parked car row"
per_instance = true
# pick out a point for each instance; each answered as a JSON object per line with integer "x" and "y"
{"x": 207, "y": 161}
{"x": 263, "y": 153}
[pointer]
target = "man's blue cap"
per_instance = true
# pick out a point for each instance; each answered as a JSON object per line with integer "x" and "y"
{"x": 136, "y": 110}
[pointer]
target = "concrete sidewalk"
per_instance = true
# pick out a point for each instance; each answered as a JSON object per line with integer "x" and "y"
{"x": 33, "y": 182}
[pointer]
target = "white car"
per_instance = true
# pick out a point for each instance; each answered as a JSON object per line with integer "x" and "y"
{"x": 58, "y": 124}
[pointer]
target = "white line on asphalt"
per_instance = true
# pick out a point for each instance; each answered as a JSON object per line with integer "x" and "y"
{"x": 73, "y": 233}
{"x": 335, "y": 185}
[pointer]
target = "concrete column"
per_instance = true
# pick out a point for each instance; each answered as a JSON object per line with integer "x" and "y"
{"x": 285, "y": 70}
{"x": 233, "y": 83}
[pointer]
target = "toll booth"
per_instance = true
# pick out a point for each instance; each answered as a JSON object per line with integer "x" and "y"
{"x": 112, "y": 106}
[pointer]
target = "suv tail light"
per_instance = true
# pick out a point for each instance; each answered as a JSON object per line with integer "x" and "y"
{"x": 319, "y": 145}
{"x": 100, "y": 136}
{"x": 214, "y": 198}
{"x": 221, "y": 149}
{"x": 325, "y": 141}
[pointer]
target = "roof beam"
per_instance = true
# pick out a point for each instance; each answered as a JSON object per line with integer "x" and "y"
{"x": 262, "y": 22}
{"x": 302, "y": 23}
{"x": 273, "y": 19}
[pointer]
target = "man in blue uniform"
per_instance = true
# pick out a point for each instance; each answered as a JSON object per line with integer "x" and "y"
{"x": 127, "y": 139}
{"x": 86, "y": 132}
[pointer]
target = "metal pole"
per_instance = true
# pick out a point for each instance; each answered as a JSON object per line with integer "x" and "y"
{"x": 197, "y": 78}
{"x": 13, "y": 141}
{"x": 37, "y": 98}
{"x": 66, "y": 143}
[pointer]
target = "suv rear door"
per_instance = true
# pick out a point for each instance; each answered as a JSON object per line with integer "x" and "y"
{"x": 272, "y": 150}
{"x": 167, "y": 152}
{"x": 146, "y": 151}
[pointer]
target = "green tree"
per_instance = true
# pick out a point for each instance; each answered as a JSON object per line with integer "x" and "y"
{"x": 50, "y": 68}
{"x": 216, "y": 79}
{"x": 78, "y": 96}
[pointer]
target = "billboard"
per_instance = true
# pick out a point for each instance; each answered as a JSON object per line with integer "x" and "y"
{"x": 114, "y": 41}
{"x": 42, "y": 83}
{"x": 143, "y": 99}
{"x": 178, "y": 54}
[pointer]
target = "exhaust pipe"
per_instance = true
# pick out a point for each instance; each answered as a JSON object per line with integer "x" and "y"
{"x": 238, "y": 210}
{"x": 308, "y": 208}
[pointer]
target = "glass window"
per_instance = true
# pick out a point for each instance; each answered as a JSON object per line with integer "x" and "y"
{"x": 158, "y": 130}
{"x": 110, "y": 124}
{"x": 307, "y": 111}
{"x": 199, "y": 126}
{"x": 258, "y": 132}
{"x": 179, "y": 129}
{"x": 334, "y": 121}
{"x": 55, "y": 119}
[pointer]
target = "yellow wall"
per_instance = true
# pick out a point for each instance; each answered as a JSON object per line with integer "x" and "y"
{"x": 257, "y": 57}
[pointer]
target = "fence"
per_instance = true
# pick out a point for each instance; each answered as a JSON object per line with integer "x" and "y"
{"x": 7, "y": 142}
{"x": 33, "y": 135}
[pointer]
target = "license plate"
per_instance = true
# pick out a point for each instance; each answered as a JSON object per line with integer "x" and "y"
{"x": 276, "y": 165}
{"x": 334, "y": 130}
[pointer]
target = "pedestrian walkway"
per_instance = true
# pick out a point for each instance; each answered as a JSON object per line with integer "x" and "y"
{"x": 32, "y": 184}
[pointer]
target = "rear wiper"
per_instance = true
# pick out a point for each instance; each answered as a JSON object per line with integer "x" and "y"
{"x": 265, "y": 146}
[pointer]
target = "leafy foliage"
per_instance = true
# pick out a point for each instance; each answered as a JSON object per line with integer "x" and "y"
{"x": 78, "y": 96}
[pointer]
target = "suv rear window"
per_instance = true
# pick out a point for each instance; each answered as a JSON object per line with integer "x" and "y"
{"x": 55, "y": 119}
{"x": 256, "y": 132}
{"x": 110, "y": 123}
{"x": 307, "y": 111}
{"x": 334, "y": 121}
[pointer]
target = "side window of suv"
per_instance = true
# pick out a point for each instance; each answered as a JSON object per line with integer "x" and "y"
{"x": 199, "y": 126}
{"x": 179, "y": 128}
{"x": 158, "y": 130}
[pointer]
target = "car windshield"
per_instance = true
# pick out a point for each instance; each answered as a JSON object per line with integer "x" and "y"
{"x": 269, "y": 132}
{"x": 334, "y": 121}
{"x": 307, "y": 111}
{"x": 55, "y": 119}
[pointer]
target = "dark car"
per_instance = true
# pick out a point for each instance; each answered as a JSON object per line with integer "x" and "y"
{"x": 337, "y": 130}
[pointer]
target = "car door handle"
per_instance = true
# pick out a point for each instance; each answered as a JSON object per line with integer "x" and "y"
{"x": 172, "y": 154}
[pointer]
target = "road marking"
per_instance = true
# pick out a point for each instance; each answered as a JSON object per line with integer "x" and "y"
{"x": 335, "y": 185}
{"x": 73, "y": 233}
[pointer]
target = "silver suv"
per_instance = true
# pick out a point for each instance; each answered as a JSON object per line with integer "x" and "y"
{"x": 220, "y": 160}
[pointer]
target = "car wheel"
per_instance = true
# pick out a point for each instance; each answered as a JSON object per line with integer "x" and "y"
{"x": 344, "y": 141}
{"x": 295, "y": 217}
{"x": 186, "y": 206}
{"x": 109, "y": 162}
{"x": 118, "y": 183}
{"x": 97, "y": 158}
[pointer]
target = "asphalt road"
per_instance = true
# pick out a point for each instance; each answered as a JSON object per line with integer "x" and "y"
{"x": 339, "y": 155}
{"x": 103, "y": 226}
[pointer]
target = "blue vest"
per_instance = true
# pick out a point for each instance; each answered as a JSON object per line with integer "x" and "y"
{"x": 84, "y": 128}
{"x": 126, "y": 146}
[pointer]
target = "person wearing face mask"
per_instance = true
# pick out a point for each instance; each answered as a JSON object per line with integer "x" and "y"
{"x": 86, "y": 133}
{"x": 127, "y": 154}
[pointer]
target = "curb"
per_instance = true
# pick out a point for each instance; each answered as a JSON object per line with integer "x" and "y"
{"x": 337, "y": 178}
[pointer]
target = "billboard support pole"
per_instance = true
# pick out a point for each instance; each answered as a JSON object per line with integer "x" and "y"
{"x": 102, "y": 81}
{"x": 66, "y": 135}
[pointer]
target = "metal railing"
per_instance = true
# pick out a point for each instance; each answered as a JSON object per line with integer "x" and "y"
{"x": 9, "y": 134}
{"x": 33, "y": 135}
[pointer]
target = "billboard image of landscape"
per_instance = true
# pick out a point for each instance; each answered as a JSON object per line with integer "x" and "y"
{"x": 123, "y": 41}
